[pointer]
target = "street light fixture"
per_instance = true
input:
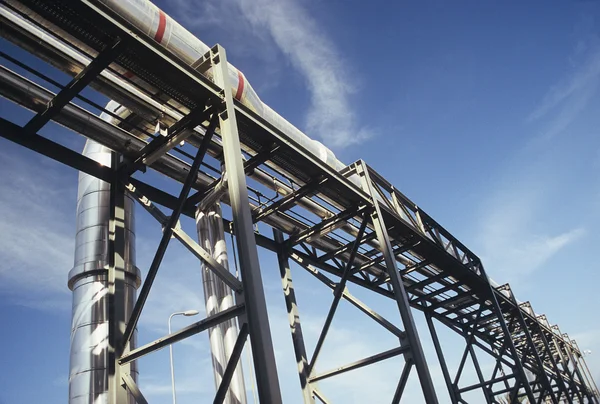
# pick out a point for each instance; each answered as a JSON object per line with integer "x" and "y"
{"x": 187, "y": 313}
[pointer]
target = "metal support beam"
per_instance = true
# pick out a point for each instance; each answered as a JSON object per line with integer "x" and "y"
{"x": 184, "y": 333}
{"x": 256, "y": 309}
{"x": 78, "y": 83}
{"x": 53, "y": 150}
{"x": 287, "y": 201}
{"x": 249, "y": 166}
{"x": 528, "y": 337}
{"x": 440, "y": 354}
{"x": 208, "y": 259}
{"x": 361, "y": 363}
{"x": 337, "y": 294}
{"x": 354, "y": 301}
{"x": 168, "y": 232}
{"x": 519, "y": 370}
{"x": 403, "y": 380}
{"x": 293, "y": 318}
{"x": 160, "y": 145}
{"x": 234, "y": 358}
{"x": 134, "y": 389}
{"x": 324, "y": 227}
{"x": 398, "y": 289}
{"x": 117, "y": 394}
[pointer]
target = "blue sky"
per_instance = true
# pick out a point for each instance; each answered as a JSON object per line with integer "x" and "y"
{"x": 484, "y": 114}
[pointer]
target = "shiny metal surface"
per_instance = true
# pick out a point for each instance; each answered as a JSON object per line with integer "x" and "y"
{"x": 88, "y": 375}
{"x": 218, "y": 297}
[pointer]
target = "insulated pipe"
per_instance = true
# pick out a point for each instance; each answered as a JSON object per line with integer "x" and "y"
{"x": 89, "y": 368}
{"x": 170, "y": 34}
{"x": 218, "y": 297}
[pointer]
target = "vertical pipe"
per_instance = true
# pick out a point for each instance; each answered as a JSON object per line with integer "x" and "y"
{"x": 218, "y": 297}
{"x": 89, "y": 373}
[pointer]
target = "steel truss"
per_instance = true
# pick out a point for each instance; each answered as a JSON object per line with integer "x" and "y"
{"x": 367, "y": 233}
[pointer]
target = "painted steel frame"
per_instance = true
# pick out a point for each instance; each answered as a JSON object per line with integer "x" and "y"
{"x": 438, "y": 276}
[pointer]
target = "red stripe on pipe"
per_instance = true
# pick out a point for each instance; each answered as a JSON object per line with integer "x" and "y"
{"x": 162, "y": 24}
{"x": 240, "y": 88}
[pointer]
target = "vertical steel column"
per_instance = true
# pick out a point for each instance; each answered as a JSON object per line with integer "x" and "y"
{"x": 294, "y": 318}
{"x": 398, "y": 287}
{"x": 441, "y": 359}
{"x": 117, "y": 394}
{"x": 256, "y": 307}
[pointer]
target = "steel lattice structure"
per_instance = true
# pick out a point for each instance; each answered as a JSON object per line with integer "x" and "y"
{"x": 390, "y": 246}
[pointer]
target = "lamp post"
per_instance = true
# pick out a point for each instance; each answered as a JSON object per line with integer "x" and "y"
{"x": 187, "y": 313}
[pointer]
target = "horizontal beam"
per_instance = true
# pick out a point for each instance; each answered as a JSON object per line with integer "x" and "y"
{"x": 184, "y": 333}
{"x": 361, "y": 363}
{"x": 53, "y": 150}
{"x": 287, "y": 201}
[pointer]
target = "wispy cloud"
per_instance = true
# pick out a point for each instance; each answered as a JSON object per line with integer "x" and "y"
{"x": 566, "y": 99}
{"x": 513, "y": 243}
{"x": 36, "y": 232}
{"x": 518, "y": 234}
{"x": 296, "y": 34}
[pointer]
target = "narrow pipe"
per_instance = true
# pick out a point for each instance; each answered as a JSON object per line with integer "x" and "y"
{"x": 218, "y": 297}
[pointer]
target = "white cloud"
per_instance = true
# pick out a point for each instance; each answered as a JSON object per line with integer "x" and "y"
{"x": 512, "y": 242}
{"x": 331, "y": 116}
{"x": 567, "y": 99}
{"x": 297, "y": 34}
{"x": 36, "y": 232}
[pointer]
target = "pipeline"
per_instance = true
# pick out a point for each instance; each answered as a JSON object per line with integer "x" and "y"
{"x": 188, "y": 48}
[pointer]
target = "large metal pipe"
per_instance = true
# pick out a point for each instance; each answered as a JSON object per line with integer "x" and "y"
{"x": 170, "y": 34}
{"x": 218, "y": 297}
{"x": 89, "y": 368}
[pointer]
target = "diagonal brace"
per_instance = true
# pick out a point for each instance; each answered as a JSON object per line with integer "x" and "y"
{"x": 361, "y": 363}
{"x": 134, "y": 389}
{"x": 234, "y": 358}
{"x": 167, "y": 233}
{"x": 337, "y": 294}
{"x": 160, "y": 145}
{"x": 76, "y": 85}
{"x": 184, "y": 333}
